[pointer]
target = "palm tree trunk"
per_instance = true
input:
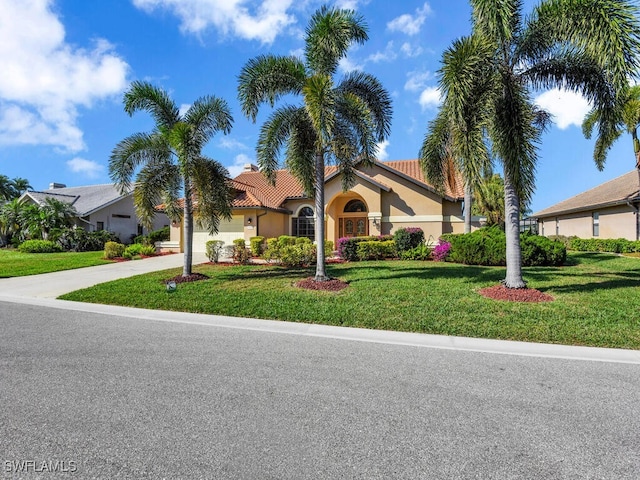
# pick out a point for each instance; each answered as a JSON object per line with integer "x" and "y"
{"x": 187, "y": 219}
{"x": 512, "y": 231}
{"x": 467, "y": 208}
{"x": 321, "y": 275}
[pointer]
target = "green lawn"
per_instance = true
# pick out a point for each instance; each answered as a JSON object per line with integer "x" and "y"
{"x": 597, "y": 298}
{"x": 16, "y": 264}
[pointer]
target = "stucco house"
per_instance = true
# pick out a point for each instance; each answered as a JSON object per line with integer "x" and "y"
{"x": 609, "y": 210}
{"x": 385, "y": 197}
{"x": 99, "y": 207}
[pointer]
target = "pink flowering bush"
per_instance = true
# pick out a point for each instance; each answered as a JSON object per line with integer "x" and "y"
{"x": 441, "y": 250}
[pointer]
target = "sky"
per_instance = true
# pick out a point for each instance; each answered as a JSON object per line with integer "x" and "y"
{"x": 67, "y": 63}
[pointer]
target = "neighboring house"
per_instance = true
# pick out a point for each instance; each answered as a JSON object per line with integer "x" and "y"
{"x": 609, "y": 210}
{"x": 99, "y": 207}
{"x": 385, "y": 197}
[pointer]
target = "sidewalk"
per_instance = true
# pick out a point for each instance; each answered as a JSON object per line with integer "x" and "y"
{"x": 52, "y": 285}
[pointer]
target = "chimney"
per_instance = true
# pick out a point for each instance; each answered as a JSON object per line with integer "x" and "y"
{"x": 54, "y": 185}
{"x": 250, "y": 167}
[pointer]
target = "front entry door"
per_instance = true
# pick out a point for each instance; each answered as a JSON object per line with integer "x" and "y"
{"x": 354, "y": 227}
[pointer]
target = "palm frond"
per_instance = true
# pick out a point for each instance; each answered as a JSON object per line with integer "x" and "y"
{"x": 498, "y": 19}
{"x": 154, "y": 100}
{"x": 157, "y": 182}
{"x": 130, "y": 153}
{"x": 330, "y": 33}
{"x": 208, "y": 115}
{"x": 212, "y": 193}
{"x": 319, "y": 102}
{"x": 267, "y": 78}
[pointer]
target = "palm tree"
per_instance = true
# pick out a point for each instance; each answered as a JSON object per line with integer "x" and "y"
{"x": 628, "y": 121}
{"x": 489, "y": 200}
{"x": 341, "y": 122}
{"x": 170, "y": 159}
{"x": 21, "y": 185}
{"x": 7, "y": 189}
{"x": 584, "y": 46}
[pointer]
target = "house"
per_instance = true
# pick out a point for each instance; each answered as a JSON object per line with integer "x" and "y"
{"x": 385, "y": 197}
{"x": 99, "y": 207}
{"x": 609, "y": 210}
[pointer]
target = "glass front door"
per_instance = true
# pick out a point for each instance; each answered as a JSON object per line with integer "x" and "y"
{"x": 353, "y": 227}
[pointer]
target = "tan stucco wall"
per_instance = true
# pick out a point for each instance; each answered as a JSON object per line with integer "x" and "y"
{"x": 615, "y": 222}
{"x": 273, "y": 224}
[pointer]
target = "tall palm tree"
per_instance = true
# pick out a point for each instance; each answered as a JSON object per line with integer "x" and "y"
{"x": 628, "y": 121}
{"x": 170, "y": 160}
{"x": 341, "y": 122}
{"x": 7, "y": 189}
{"x": 587, "y": 46}
{"x": 53, "y": 214}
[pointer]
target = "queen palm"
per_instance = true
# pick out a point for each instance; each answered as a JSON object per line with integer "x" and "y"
{"x": 21, "y": 185}
{"x": 169, "y": 160}
{"x": 587, "y": 46}
{"x": 340, "y": 122}
{"x": 628, "y": 121}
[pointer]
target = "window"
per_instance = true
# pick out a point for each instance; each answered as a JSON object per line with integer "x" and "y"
{"x": 596, "y": 224}
{"x": 99, "y": 226}
{"x": 354, "y": 206}
{"x": 303, "y": 225}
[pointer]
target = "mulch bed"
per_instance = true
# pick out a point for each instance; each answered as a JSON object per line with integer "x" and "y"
{"x": 500, "y": 292}
{"x": 194, "y": 277}
{"x": 333, "y": 285}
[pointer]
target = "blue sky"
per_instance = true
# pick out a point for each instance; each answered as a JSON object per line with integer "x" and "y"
{"x": 66, "y": 64}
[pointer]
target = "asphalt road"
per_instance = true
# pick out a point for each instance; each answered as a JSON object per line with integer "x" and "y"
{"x": 118, "y": 397}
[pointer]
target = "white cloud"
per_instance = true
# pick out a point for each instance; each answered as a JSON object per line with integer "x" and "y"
{"x": 184, "y": 108}
{"x": 382, "y": 150}
{"x": 417, "y": 80}
{"x": 350, "y": 4}
{"x": 44, "y": 80}
{"x": 410, "y": 24}
{"x": 347, "y": 65}
{"x": 430, "y": 98}
{"x": 568, "y": 108}
{"x": 409, "y": 51}
{"x": 85, "y": 167}
{"x": 232, "y": 144}
{"x": 229, "y": 17}
{"x": 388, "y": 55}
{"x": 238, "y": 164}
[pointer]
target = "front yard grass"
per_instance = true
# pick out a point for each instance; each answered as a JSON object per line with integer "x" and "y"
{"x": 597, "y": 298}
{"x": 17, "y": 264}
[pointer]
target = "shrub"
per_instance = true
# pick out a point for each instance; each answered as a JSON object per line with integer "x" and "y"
{"x": 618, "y": 245}
{"x": 257, "y": 245}
{"x": 348, "y": 246}
{"x": 408, "y": 238}
{"x": 487, "y": 246}
{"x": 241, "y": 254}
{"x": 272, "y": 251}
{"x": 113, "y": 250}
{"x": 441, "y": 251}
{"x": 148, "y": 251}
{"x": 300, "y": 255}
{"x": 284, "y": 240}
{"x": 375, "y": 249}
{"x": 77, "y": 239}
{"x": 421, "y": 252}
{"x": 213, "y": 249}
{"x": 133, "y": 250}
{"x": 328, "y": 248}
{"x": 39, "y": 246}
{"x": 303, "y": 240}
{"x": 160, "y": 235}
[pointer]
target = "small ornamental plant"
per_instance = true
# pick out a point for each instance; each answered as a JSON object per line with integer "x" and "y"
{"x": 441, "y": 250}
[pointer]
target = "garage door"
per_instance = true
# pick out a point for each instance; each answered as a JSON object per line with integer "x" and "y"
{"x": 227, "y": 232}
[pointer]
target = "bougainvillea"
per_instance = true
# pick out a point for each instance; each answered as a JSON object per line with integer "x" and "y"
{"x": 441, "y": 250}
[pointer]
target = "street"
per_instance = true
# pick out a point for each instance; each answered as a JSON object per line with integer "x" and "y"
{"x": 124, "y": 397}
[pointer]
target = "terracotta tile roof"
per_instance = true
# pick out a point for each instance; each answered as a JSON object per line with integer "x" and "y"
{"x": 411, "y": 168}
{"x": 620, "y": 190}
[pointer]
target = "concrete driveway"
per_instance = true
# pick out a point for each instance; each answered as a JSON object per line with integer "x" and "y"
{"x": 52, "y": 285}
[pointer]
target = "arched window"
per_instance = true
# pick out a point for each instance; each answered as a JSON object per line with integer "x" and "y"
{"x": 303, "y": 225}
{"x": 355, "y": 206}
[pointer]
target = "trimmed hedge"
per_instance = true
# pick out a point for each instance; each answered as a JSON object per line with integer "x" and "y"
{"x": 39, "y": 246}
{"x": 613, "y": 245}
{"x": 348, "y": 246}
{"x": 375, "y": 249}
{"x": 113, "y": 250}
{"x": 408, "y": 238}
{"x": 487, "y": 246}
{"x": 213, "y": 248}
{"x": 257, "y": 245}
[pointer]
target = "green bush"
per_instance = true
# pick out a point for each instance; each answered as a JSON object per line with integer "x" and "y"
{"x": 375, "y": 250}
{"x": 77, "y": 239}
{"x": 241, "y": 254}
{"x": 113, "y": 250}
{"x": 487, "y": 246}
{"x": 257, "y": 245}
{"x": 300, "y": 255}
{"x": 284, "y": 240}
{"x": 348, "y": 246}
{"x": 213, "y": 249}
{"x": 39, "y": 246}
{"x": 421, "y": 252}
{"x": 303, "y": 240}
{"x": 160, "y": 235}
{"x": 408, "y": 238}
{"x": 272, "y": 250}
{"x": 148, "y": 251}
{"x": 328, "y": 248}
{"x": 134, "y": 250}
{"x": 617, "y": 245}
